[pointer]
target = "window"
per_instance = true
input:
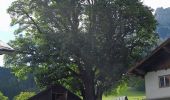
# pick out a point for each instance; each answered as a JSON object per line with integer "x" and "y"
{"x": 164, "y": 81}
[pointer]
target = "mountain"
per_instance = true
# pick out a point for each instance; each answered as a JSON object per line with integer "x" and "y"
{"x": 11, "y": 86}
{"x": 163, "y": 18}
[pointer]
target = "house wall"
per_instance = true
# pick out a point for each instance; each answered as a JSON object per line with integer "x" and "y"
{"x": 152, "y": 85}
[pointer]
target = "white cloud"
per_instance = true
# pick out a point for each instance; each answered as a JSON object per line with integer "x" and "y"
{"x": 157, "y": 3}
{"x": 4, "y": 17}
{"x": 5, "y": 29}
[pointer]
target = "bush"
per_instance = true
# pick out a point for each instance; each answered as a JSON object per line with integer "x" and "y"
{"x": 2, "y": 97}
{"x": 24, "y": 95}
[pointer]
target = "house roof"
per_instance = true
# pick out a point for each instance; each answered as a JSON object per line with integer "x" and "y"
{"x": 150, "y": 63}
{"x": 5, "y": 48}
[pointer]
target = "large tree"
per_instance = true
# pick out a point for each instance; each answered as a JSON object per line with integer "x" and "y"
{"x": 86, "y": 45}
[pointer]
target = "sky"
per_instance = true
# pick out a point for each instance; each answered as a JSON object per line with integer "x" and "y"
{"x": 6, "y": 31}
{"x": 157, "y": 3}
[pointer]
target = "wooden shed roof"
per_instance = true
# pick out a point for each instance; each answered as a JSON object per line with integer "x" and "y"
{"x": 58, "y": 88}
{"x": 5, "y": 48}
{"x": 150, "y": 63}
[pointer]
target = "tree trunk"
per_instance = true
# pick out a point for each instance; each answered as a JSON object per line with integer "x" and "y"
{"x": 89, "y": 88}
{"x": 99, "y": 96}
{"x": 99, "y": 93}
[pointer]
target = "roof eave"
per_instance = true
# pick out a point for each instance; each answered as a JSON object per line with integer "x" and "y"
{"x": 132, "y": 70}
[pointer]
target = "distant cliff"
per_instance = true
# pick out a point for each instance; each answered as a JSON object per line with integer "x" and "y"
{"x": 163, "y": 18}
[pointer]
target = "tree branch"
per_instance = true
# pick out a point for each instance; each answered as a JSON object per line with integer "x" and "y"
{"x": 34, "y": 23}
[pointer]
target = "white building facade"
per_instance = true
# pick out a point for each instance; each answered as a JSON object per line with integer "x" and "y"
{"x": 152, "y": 85}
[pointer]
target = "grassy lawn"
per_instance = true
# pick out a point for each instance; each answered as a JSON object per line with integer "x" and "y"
{"x": 132, "y": 95}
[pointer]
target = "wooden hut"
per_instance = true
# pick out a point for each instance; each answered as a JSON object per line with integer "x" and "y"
{"x": 55, "y": 92}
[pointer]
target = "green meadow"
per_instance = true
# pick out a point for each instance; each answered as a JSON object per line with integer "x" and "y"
{"x": 131, "y": 94}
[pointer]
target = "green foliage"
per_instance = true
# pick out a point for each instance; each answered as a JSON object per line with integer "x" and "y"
{"x": 121, "y": 88}
{"x": 138, "y": 84}
{"x": 85, "y": 45}
{"x": 130, "y": 93}
{"x": 21, "y": 72}
{"x": 24, "y": 96}
{"x": 2, "y": 97}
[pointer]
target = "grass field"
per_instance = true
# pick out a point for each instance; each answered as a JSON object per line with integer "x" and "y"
{"x": 131, "y": 94}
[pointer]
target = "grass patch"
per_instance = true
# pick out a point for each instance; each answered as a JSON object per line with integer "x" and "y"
{"x": 130, "y": 93}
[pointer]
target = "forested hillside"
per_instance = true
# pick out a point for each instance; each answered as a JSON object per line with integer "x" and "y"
{"x": 163, "y": 17}
{"x": 10, "y": 86}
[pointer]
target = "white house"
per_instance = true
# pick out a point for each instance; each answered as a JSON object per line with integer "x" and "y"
{"x": 155, "y": 69}
{"x": 5, "y": 48}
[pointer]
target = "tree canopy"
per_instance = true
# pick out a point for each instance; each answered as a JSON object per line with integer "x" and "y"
{"x": 85, "y": 45}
